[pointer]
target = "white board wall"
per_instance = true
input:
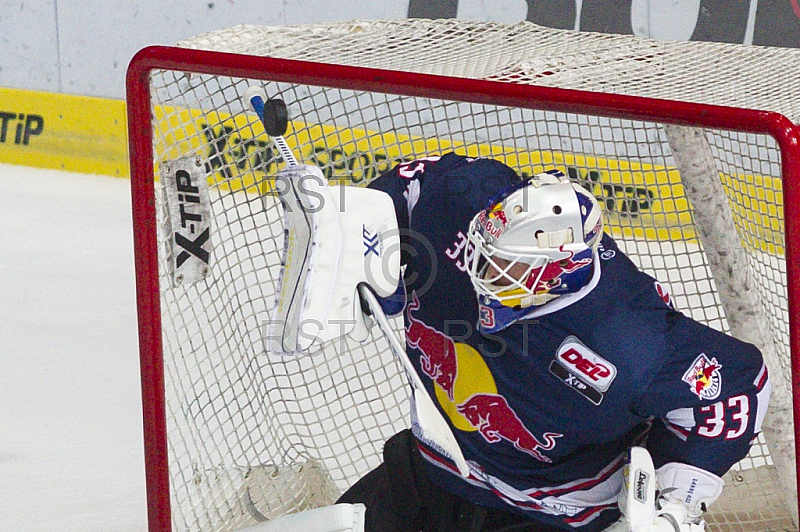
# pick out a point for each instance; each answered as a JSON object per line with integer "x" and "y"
{"x": 29, "y": 45}
{"x": 84, "y": 46}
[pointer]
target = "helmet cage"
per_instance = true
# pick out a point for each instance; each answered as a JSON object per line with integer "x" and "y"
{"x": 517, "y": 281}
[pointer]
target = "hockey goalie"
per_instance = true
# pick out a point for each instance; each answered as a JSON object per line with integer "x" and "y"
{"x": 555, "y": 386}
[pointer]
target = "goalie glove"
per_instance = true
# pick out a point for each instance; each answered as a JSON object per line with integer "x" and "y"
{"x": 672, "y": 499}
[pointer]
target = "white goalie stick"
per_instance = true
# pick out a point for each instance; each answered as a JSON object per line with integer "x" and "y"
{"x": 275, "y": 118}
{"x": 431, "y": 426}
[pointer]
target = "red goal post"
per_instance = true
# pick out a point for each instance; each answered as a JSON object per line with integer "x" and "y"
{"x": 144, "y": 158}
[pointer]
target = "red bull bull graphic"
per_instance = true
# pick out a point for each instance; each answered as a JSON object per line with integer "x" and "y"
{"x": 498, "y": 213}
{"x": 483, "y": 410}
{"x": 438, "y": 351}
{"x": 550, "y": 275}
{"x": 497, "y": 421}
{"x": 704, "y": 377}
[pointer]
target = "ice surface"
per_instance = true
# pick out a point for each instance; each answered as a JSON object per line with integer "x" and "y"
{"x": 71, "y": 451}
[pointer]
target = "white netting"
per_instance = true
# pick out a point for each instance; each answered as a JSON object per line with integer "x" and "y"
{"x": 718, "y": 73}
{"x": 253, "y": 434}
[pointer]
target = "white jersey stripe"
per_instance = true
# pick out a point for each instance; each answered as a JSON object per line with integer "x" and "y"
{"x": 761, "y": 378}
{"x": 762, "y": 397}
{"x": 575, "y": 504}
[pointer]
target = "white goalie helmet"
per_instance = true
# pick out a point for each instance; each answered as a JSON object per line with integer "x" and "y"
{"x": 535, "y": 241}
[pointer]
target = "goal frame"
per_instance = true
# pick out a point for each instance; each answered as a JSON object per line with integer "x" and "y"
{"x": 141, "y": 156}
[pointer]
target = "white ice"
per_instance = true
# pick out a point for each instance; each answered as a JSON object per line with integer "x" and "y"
{"x": 71, "y": 451}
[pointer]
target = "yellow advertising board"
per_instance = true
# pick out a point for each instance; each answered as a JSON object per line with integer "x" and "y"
{"x": 65, "y": 132}
{"x": 641, "y": 200}
{"x": 86, "y": 134}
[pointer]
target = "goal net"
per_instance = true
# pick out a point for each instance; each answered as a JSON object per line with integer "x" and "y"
{"x": 696, "y": 186}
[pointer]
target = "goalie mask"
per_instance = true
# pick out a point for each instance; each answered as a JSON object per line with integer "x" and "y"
{"x": 535, "y": 241}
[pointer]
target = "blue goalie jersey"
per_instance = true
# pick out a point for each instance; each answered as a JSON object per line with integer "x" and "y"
{"x": 545, "y": 404}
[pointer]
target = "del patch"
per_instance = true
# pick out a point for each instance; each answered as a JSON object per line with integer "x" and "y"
{"x": 583, "y": 370}
{"x": 704, "y": 378}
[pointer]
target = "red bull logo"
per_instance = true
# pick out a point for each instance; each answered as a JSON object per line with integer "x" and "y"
{"x": 704, "y": 377}
{"x": 492, "y": 225}
{"x": 549, "y": 276}
{"x": 438, "y": 351}
{"x": 496, "y": 421}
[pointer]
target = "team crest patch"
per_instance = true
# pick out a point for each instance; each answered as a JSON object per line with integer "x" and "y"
{"x": 704, "y": 378}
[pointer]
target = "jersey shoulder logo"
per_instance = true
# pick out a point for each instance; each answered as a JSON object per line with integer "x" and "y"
{"x": 606, "y": 254}
{"x": 664, "y": 294}
{"x": 704, "y": 377}
{"x": 583, "y": 370}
